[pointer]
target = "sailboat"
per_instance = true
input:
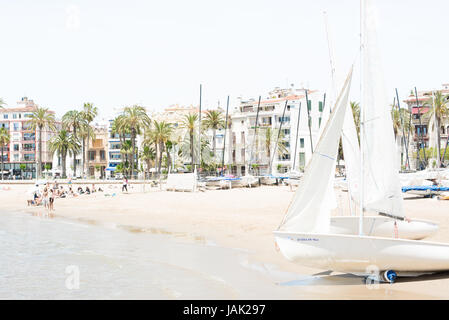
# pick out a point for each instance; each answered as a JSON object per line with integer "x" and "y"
{"x": 306, "y": 235}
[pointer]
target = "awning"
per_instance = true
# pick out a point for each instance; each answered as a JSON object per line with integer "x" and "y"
{"x": 110, "y": 169}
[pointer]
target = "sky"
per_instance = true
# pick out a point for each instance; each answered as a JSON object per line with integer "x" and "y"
{"x": 157, "y": 53}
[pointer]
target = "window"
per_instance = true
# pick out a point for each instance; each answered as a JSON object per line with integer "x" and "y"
{"x": 5, "y": 116}
{"x": 29, "y": 147}
{"x": 302, "y": 159}
{"x": 16, "y": 147}
{"x": 29, "y": 157}
{"x": 14, "y": 116}
{"x": 286, "y": 132}
{"x": 284, "y": 119}
{"x": 77, "y": 162}
{"x": 91, "y": 155}
{"x": 16, "y": 126}
{"x": 16, "y": 157}
{"x": 320, "y": 106}
{"x": 301, "y": 143}
{"x": 319, "y": 122}
{"x": 309, "y": 105}
{"x": 114, "y": 156}
{"x": 102, "y": 155}
{"x": 29, "y": 136}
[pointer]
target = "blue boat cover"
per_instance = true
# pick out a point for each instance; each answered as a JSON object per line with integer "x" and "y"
{"x": 424, "y": 188}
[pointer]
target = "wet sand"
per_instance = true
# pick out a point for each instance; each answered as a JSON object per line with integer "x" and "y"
{"x": 243, "y": 219}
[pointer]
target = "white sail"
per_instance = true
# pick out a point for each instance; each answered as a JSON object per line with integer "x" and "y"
{"x": 382, "y": 190}
{"x": 351, "y": 151}
{"x": 310, "y": 210}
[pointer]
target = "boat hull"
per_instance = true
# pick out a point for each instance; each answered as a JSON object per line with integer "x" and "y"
{"x": 362, "y": 255}
{"x": 384, "y": 227}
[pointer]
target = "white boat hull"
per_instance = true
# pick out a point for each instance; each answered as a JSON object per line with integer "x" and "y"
{"x": 384, "y": 227}
{"x": 362, "y": 255}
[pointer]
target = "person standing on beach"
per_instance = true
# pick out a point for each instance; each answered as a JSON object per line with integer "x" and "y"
{"x": 125, "y": 184}
{"x": 45, "y": 198}
{"x": 51, "y": 200}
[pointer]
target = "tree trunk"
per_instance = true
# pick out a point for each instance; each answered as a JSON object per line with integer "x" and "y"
{"x": 191, "y": 147}
{"x": 1, "y": 173}
{"x": 39, "y": 161}
{"x": 438, "y": 142}
{"x": 84, "y": 157}
{"x": 214, "y": 142}
{"x": 168, "y": 157}
{"x": 161, "y": 151}
{"x": 74, "y": 155}
{"x": 63, "y": 158}
{"x": 133, "y": 142}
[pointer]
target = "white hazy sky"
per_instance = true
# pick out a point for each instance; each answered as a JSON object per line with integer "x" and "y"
{"x": 156, "y": 53}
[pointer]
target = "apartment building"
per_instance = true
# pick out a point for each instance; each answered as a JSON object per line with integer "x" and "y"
{"x": 21, "y": 154}
{"x": 423, "y": 135}
{"x": 247, "y": 146}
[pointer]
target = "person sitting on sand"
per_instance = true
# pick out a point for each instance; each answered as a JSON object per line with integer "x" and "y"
{"x": 87, "y": 190}
{"x": 93, "y": 188}
{"x": 62, "y": 192}
{"x": 80, "y": 190}
{"x": 71, "y": 193}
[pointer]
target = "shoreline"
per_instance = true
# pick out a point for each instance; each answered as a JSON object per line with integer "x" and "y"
{"x": 241, "y": 219}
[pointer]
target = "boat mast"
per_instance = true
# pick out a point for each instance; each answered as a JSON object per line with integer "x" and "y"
{"x": 297, "y": 134}
{"x": 310, "y": 120}
{"x": 334, "y": 92}
{"x": 362, "y": 116}
{"x": 255, "y": 134}
{"x": 199, "y": 130}
{"x": 403, "y": 131}
{"x": 224, "y": 139}
{"x": 420, "y": 134}
{"x": 277, "y": 140}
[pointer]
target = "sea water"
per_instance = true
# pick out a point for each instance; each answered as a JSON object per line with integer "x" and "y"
{"x": 43, "y": 258}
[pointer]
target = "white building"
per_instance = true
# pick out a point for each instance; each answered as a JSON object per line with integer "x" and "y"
{"x": 243, "y": 152}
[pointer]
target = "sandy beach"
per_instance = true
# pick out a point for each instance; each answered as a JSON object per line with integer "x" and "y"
{"x": 238, "y": 218}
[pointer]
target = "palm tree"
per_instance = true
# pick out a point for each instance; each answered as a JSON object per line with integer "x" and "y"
{"x": 270, "y": 135}
{"x": 89, "y": 113}
{"x": 2, "y": 103}
{"x": 160, "y": 134}
{"x": 86, "y": 133}
{"x": 189, "y": 123}
{"x": 5, "y": 138}
{"x": 147, "y": 154}
{"x": 136, "y": 119}
{"x": 41, "y": 118}
{"x": 64, "y": 143}
{"x": 73, "y": 120}
{"x": 214, "y": 120}
{"x": 126, "y": 150}
{"x": 439, "y": 110}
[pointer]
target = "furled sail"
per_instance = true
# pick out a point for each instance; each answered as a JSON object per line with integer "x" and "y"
{"x": 310, "y": 208}
{"x": 381, "y": 187}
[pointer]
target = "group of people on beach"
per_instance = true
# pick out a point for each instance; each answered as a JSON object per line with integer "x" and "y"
{"x": 46, "y": 197}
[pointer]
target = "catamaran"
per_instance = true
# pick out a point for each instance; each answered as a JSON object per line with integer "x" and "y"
{"x": 310, "y": 237}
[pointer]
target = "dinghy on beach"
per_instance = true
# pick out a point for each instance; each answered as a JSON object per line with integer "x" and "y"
{"x": 309, "y": 236}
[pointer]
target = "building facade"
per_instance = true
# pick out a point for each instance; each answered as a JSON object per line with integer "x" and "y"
{"x": 248, "y": 148}
{"x": 21, "y": 154}
{"x": 424, "y": 134}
